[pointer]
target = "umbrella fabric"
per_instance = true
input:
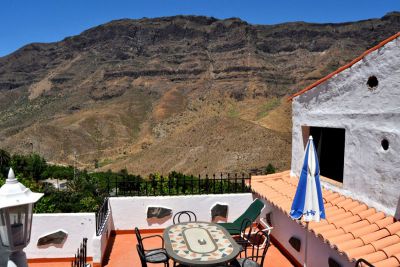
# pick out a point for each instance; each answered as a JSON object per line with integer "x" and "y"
{"x": 308, "y": 199}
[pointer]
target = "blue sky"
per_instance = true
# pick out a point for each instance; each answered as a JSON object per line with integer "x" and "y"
{"x": 23, "y": 22}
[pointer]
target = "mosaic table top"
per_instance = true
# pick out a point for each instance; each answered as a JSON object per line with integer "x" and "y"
{"x": 199, "y": 244}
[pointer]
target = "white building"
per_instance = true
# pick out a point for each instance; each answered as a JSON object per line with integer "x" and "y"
{"x": 354, "y": 116}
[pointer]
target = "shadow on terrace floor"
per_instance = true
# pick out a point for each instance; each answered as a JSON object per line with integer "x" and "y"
{"x": 123, "y": 253}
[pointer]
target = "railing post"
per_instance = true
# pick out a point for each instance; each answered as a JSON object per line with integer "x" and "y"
{"x": 220, "y": 186}
{"x": 235, "y": 182}
{"x": 116, "y": 185}
{"x": 250, "y": 182}
{"x": 214, "y": 183}
{"x": 199, "y": 184}
{"x": 207, "y": 184}
{"x": 169, "y": 184}
{"x": 191, "y": 181}
{"x": 108, "y": 185}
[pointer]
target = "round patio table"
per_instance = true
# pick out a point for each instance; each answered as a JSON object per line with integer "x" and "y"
{"x": 200, "y": 244}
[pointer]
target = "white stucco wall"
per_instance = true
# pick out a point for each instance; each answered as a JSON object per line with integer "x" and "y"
{"x": 77, "y": 225}
{"x": 371, "y": 174}
{"x": 100, "y": 242}
{"x": 130, "y": 212}
{"x": 285, "y": 228}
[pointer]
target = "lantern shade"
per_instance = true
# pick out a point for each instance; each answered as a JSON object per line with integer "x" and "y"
{"x": 16, "y": 209}
{"x": 15, "y": 226}
{"x": 13, "y": 193}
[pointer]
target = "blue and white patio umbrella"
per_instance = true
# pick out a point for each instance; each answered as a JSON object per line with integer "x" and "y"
{"x": 308, "y": 202}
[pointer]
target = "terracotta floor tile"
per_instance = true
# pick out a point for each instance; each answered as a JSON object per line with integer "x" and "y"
{"x": 50, "y": 264}
{"x": 123, "y": 254}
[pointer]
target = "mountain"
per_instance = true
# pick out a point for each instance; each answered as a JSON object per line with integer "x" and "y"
{"x": 187, "y": 93}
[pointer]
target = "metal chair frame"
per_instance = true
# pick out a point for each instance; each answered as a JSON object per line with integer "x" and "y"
{"x": 190, "y": 214}
{"x": 257, "y": 253}
{"x": 146, "y": 251}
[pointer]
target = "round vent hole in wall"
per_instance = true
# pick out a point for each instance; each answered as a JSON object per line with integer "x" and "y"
{"x": 372, "y": 82}
{"x": 385, "y": 144}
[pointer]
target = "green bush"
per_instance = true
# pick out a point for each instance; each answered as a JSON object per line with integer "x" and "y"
{"x": 270, "y": 169}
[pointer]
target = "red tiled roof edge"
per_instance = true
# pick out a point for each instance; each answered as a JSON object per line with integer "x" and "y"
{"x": 354, "y": 61}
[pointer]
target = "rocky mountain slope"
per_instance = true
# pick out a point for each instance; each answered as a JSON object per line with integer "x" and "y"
{"x": 186, "y": 93}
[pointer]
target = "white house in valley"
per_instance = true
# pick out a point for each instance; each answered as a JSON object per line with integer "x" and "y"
{"x": 353, "y": 115}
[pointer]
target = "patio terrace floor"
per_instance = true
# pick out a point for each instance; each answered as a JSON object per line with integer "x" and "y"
{"x": 123, "y": 254}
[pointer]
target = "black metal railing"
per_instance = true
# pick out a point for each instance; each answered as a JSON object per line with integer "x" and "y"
{"x": 80, "y": 259}
{"x": 102, "y": 216}
{"x": 180, "y": 185}
{"x": 362, "y": 263}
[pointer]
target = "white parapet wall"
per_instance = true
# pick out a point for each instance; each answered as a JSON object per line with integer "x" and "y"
{"x": 131, "y": 212}
{"x": 100, "y": 242}
{"x": 77, "y": 225}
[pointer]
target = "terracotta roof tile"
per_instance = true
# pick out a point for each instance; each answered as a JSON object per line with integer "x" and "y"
{"x": 393, "y": 228}
{"x": 392, "y": 250}
{"x": 346, "y": 221}
{"x": 355, "y": 243}
{"x": 385, "y": 222}
{"x": 350, "y": 226}
{"x": 397, "y": 256}
{"x": 375, "y": 257}
{"x": 365, "y": 213}
{"x": 359, "y": 209}
{"x": 339, "y": 238}
{"x": 391, "y": 262}
{"x": 353, "y": 204}
{"x": 372, "y": 236}
{"x": 385, "y": 242}
{"x": 355, "y": 226}
{"x": 359, "y": 251}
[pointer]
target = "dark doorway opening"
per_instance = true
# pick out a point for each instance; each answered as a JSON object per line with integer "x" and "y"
{"x": 329, "y": 143}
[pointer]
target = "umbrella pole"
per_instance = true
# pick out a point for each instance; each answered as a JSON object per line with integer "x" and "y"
{"x": 306, "y": 245}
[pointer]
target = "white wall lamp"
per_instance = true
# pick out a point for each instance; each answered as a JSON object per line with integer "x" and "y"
{"x": 16, "y": 210}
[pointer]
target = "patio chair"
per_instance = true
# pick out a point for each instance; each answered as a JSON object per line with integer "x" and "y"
{"x": 252, "y": 213}
{"x": 254, "y": 255}
{"x": 157, "y": 255}
{"x": 191, "y": 216}
{"x": 245, "y": 233}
